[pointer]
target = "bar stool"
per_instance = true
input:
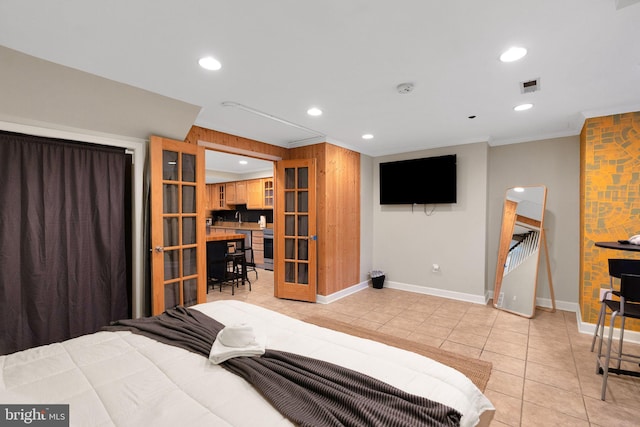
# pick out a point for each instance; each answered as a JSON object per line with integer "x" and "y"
{"x": 628, "y": 306}
{"x": 250, "y": 264}
{"x": 617, "y": 267}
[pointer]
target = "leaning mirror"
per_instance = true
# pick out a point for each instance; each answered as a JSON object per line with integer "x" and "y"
{"x": 519, "y": 250}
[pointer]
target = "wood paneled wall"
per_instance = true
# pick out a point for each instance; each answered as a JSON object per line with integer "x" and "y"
{"x": 198, "y": 133}
{"x": 338, "y": 206}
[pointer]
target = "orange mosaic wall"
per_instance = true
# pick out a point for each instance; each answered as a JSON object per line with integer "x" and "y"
{"x": 610, "y": 200}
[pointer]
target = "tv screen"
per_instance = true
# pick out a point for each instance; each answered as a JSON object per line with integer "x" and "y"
{"x": 429, "y": 180}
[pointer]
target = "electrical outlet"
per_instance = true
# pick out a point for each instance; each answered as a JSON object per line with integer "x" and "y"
{"x": 435, "y": 268}
{"x": 602, "y": 292}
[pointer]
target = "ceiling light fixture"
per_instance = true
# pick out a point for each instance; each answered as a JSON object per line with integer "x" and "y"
{"x": 513, "y": 54}
{"x": 523, "y": 107}
{"x": 210, "y": 63}
{"x": 367, "y": 136}
{"x": 314, "y": 111}
{"x": 243, "y": 162}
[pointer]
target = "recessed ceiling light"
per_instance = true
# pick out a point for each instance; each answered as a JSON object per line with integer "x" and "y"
{"x": 243, "y": 162}
{"x": 367, "y": 136}
{"x": 513, "y": 54}
{"x": 313, "y": 111}
{"x": 210, "y": 63}
{"x": 522, "y": 107}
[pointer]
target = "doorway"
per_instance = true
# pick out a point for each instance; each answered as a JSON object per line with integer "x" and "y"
{"x": 222, "y": 171}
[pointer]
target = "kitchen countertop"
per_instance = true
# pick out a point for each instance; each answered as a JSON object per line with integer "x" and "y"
{"x": 239, "y": 226}
{"x": 221, "y": 237}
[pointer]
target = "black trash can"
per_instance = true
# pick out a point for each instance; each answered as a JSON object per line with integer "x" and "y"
{"x": 378, "y": 281}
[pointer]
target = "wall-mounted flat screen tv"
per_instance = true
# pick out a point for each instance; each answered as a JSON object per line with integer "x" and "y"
{"x": 429, "y": 180}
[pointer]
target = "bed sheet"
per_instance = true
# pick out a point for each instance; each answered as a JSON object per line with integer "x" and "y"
{"x": 124, "y": 379}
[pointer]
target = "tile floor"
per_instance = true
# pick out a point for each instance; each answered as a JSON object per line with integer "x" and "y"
{"x": 543, "y": 371}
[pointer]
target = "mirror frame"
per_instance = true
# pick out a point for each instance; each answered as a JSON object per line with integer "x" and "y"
{"x": 511, "y": 217}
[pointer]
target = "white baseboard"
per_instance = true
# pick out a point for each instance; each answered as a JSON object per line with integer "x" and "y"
{"x": 328, "y": 299}
{"x": 560, "y": 305}
{"x": 477, "y": 299}
{"x": 460, "y": 296}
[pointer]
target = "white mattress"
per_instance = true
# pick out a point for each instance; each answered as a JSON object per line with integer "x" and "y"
{"x": 123, "y": 379}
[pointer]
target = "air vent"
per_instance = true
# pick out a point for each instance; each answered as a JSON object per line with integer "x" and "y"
{"x": 530, "y": 86}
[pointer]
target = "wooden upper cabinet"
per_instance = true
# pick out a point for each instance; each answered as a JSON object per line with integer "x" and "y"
{"x": 220, "y": 197}
{"x": 260, "y": 193}
{"x": 230, "y": 193}
{"x": 209, "y": 200}
{"x": 267, "y": 193}
{"x": 241, "y": 192}
{"x": 254, "y": 194}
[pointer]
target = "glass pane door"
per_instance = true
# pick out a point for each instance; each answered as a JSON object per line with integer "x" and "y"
{"x": 295, "y": 230}
{"x": 177, "y": 224}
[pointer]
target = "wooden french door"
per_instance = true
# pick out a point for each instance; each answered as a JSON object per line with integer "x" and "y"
{"x": 295, "y": 250}
{"x": 178, "y": 246}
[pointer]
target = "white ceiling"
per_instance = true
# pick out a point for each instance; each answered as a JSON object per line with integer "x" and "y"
{"x": 347, "y": 57}
{"x": 225, "y": 167}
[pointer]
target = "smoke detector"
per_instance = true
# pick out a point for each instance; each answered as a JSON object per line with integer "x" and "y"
{"x": 530, "y": 86}
{"x": 404, "y": 87}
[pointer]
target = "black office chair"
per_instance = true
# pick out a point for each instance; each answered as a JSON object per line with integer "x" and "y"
{"x": 617, "y": 267}
{"x": 628, "y": 306}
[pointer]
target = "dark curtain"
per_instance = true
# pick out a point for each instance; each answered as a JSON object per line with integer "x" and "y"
{"x": 62, "y": 239}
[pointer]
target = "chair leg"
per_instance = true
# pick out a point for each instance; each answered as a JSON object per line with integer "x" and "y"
{"x": 601, "y": 338}
{"x": 599, "y": 325}
{"x": 620, "y": 342}
{"x": 605, "y": 368}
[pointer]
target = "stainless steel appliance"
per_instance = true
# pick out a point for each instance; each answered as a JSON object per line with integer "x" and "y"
{"x": 268, "y": 249}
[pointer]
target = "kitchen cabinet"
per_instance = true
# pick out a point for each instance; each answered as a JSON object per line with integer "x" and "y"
{"x": 260, "y": 193}
{"x": 216, "y": 197}
{"x": 209, "y": 197}
{"x": 230, "y": 193}
{"x": 236, "y": 193}
{"x": 254, "y": 194}
{"x": 241, "y": 193}
{"x": 267, "y": 193}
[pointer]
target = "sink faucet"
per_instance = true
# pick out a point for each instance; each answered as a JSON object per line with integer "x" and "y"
{"x": 239, "y": 217}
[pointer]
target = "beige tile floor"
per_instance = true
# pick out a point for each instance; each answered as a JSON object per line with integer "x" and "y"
{"x": 543, "y": 371}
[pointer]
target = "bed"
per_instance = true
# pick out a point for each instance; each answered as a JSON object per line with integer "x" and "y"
{"x": 125, "y": 379}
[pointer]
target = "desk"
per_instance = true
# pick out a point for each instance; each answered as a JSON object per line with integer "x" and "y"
{"x": 217, "y": 245}
{"x": 619, "y": 246}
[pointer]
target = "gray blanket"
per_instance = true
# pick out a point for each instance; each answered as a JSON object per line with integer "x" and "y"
{"x": 309, "y": 392}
